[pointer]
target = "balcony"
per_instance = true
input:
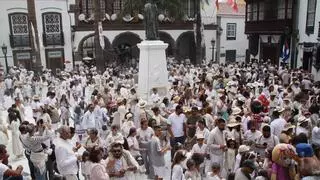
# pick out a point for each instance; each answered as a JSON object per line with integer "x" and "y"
{"x": 319, "y": 31}
{"x": 17, "y": 41}
{"x": 53, "y": 39}
{"x": 268, "y": 27}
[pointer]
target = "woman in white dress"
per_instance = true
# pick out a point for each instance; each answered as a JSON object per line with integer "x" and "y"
{"x": 44, "y": 88}
{"x": 17, "y": 148}
{"x": 177, "y": 167}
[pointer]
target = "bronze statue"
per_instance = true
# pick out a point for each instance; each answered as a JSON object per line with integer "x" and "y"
{"x": 151, "y": 22}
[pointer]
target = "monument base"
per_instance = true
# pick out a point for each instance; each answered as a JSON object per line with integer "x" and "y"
{"x": 153, "y": 71}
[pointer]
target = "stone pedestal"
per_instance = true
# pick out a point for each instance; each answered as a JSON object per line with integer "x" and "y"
{"x": 153, "y": 71}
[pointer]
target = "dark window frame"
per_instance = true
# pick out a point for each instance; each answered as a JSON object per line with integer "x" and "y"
{"x": 19, "y": 40}
{"x": 235, "y": 31}
{"x": 234, "y": 52}
{"x": 45, "y": 34}
{"x": 310, "y": 29}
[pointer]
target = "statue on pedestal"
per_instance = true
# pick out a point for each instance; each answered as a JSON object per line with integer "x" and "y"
{"x": 151, "y": 22}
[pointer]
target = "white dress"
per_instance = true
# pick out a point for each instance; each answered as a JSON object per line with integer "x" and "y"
{"x": 17, "y": 148}
{"x": 3, "y": 136}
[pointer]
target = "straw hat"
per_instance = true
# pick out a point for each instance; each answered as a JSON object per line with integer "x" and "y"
{"x": 302, "y": 119}
{"x": 36, "y": 97}
{"x": 142, "y": 103}
{"x": 243, "y": 148}
{"x": 200, "y": 136}
{"x": 288, "y": 126}
{"x": 279, "y": 109}
{"x": 176, "y": 99}
{"x": 236, "y": 111}
{"x": 233, "y": 123}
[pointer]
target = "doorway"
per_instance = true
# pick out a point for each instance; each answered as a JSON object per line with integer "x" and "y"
{"x": 55, "y": 59}
{"x": 270, "y": 51}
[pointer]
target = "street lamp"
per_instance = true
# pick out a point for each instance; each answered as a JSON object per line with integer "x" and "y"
{"x": 213, "y": 42}
{"x": 4, "y": 51}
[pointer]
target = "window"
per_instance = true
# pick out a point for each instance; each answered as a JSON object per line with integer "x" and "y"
{"x": 311, "y": 12}
{"x": 190, "y": 8}
{"x": 19, "y": 29}
{"x": 52, "y": 29}
{"x": 231, "y": 56}
{"x": 289, "y": 9}
{"x": 231, "y": 31}
{"x": 261, "y": 11}
{"x": 255, "y": 12}
{"x": 118, "y": 6}
{"x": 281, "y": 9}
{"x": 52, "y": 23}
{"x": 249, "y": 12}
{"x": 19, "y": 24}
{"x": 86, "y": 7}
{"x": 252, "y": 12}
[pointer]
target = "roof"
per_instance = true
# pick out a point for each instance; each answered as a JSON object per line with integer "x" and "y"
{"x": 226, "y": 9}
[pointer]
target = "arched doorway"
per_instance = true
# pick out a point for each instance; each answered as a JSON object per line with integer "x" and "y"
{"x": 125, "y": 46}
{"x": 165, "y": 37}
{"x": 86, "y": 50}
{"x": 186, "y": 47}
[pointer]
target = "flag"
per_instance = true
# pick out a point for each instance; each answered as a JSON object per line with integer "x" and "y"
{"x": 34, "y": 37}
{"x": 285, "y": 53}
{"x": 235, "y": 6}
{"x": 230, "y": 2}
{"x": 101, "y": 37}
{"x": 217, "y": 4}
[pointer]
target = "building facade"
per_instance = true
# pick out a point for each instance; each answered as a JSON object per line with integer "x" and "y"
{"x": 308, "y": 36}
{"x": 234, "y": 43}
{"x": 123, "y": 29}
{"x": 49, "y": 37}
{"x": 269, "y": 25}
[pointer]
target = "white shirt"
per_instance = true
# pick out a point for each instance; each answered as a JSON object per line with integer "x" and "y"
{"x": 65, "y": 157}
{"x": 88, "y": 121}
{"x": 176, "y": 122}
{"x": 132, "y": 141}
{"x": 315, "y": 138}
{"x": 3, "y": 169}
{"x": 145, "y": 135}
{"x": 277, "y": 126}
{"x": 252, "y": 136}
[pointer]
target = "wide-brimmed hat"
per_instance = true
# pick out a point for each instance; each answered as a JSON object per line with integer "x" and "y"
{"x": 142, "y": 103}
{"x": 36, "y": 97}
{"x": 236, "y": 111}
{"x": 176, "y": 99}
{"x": 199, "y": 136}
{"x": 302, "y": 119}
{"x": 273, "y": 93}
{"x": 243, "y": 148}
{"x": 288, "y": 126}
{"x": 279, "y": 109}
{"x": 233, "y": 123}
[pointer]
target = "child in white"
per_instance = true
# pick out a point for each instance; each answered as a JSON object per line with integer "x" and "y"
{"x": 201, "y": 148}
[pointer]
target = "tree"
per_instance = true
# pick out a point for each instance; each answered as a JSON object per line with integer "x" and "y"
{"x": 172, "y": 8}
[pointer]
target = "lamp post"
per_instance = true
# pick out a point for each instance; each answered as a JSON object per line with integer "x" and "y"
{"x": 213, "y": 42}
{"x": 5, "y": 51}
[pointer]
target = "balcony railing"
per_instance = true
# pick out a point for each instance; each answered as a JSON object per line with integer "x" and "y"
{"x": 319, "y": 30}
{"x": 53, "y": 39}
{"x": 19, "y": 41}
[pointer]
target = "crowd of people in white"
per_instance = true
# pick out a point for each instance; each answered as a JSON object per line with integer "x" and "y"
{"x": 217, "y": 121}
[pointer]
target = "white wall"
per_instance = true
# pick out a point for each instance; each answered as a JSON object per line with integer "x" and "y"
{"x": 209, "y": 13}
{"x": 7, "y": 7}
{"x": 303, "y": 37}
{"x": 241, "y": 42}
{"x": 60, "y": 6}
